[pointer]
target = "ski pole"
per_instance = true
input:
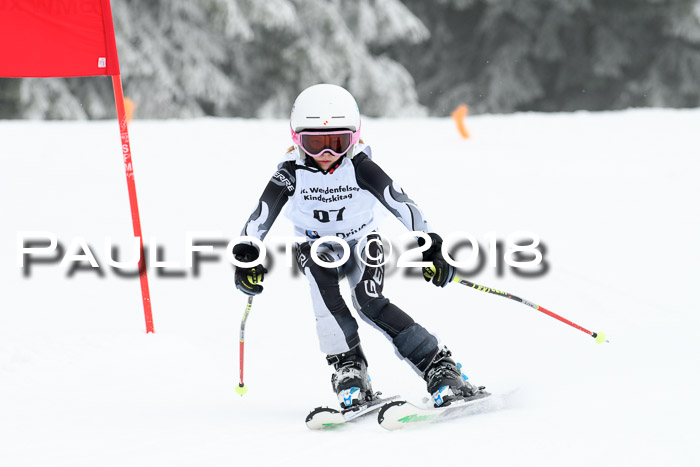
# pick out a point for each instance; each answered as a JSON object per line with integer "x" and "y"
{"x": 242, "y": 388}
{"x": 598, "y": 336}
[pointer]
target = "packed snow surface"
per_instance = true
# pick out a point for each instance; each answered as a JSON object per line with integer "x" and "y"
{"x": 613, "y": 196}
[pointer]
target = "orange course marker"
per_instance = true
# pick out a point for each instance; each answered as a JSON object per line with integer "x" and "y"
{"x": 458, "y": 116}
{"x": 129, "y": 107}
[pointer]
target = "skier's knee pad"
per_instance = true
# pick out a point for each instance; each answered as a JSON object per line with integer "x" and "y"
{"x": 371, "y": 307}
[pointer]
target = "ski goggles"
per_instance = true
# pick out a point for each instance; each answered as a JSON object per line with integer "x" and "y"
{"x": 315, "y": 143}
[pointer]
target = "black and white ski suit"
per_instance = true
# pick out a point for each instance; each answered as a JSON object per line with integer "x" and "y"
{"x": 339, "y": 202}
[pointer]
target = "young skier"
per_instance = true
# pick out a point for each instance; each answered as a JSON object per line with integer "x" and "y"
{"x": 331, "y": 184}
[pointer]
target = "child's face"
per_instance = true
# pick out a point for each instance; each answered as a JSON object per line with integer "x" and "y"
{"x": 326, "y": 160}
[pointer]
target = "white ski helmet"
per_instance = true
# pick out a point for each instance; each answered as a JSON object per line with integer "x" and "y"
{"x": 325, "y": 107}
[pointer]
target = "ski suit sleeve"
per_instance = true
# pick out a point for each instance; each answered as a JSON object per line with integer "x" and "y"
{"x": 372, "y": 178}
{"x": 278, "y": 190}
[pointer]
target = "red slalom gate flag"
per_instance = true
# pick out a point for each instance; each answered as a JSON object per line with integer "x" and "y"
{"x": 43, "y": 38}
{"x": 65, "y": 38}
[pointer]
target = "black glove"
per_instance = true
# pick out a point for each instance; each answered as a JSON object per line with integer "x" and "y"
{"x": 441, "y": 273}
{"x": 248, "y": 280}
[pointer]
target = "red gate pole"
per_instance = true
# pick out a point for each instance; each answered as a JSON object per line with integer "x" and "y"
{"x": 136, "y": 220}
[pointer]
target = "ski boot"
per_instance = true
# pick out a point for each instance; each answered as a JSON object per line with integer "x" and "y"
{"x": 445, "y": 380}
{"x": 350, "y": 380}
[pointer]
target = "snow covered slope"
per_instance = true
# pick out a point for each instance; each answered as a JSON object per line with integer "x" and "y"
{"x": 614, "y": 197}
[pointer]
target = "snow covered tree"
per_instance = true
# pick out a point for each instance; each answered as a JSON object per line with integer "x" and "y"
{"x": 507, "y": 55}
{"x": 312, "y": 41}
